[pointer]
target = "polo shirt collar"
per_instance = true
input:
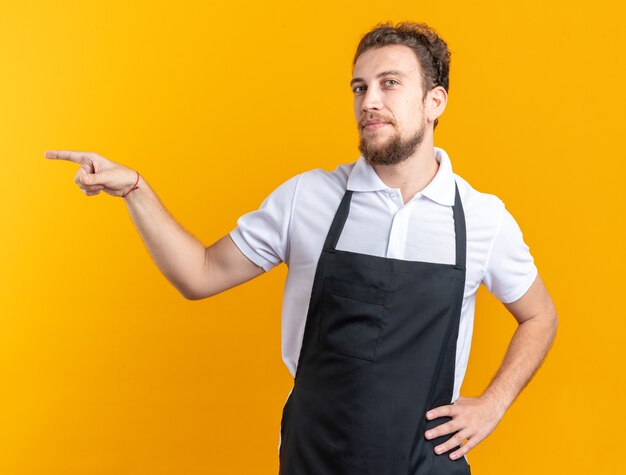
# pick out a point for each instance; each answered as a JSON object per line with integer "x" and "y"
{"x": 441, "y": 188}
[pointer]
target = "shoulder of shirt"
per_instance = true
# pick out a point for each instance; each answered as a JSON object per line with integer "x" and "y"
{"x": 486, "y": 208}
{"x": 319, "y": 177}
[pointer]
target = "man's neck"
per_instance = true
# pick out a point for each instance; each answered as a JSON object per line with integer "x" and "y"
{"x": 413, "y": 174}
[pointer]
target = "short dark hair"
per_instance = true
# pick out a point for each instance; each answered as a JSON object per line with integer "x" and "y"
{"x": 431, "y": 50}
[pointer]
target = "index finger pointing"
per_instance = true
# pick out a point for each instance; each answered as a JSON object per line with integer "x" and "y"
{"x": 71, "y": 155}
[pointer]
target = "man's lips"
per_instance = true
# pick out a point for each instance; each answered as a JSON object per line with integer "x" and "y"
{"x": 374, "y": 125}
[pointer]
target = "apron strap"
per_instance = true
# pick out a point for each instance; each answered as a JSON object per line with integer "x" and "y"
{"x": 459, "y": 229}
{"x": 338, "y": 222}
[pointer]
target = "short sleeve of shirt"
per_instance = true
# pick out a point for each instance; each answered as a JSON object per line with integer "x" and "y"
{"x": 510, "y": 268}
{"x": 262, "y": 235}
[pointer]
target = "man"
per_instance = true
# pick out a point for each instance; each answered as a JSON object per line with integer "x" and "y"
{"x": 385, "y": 256}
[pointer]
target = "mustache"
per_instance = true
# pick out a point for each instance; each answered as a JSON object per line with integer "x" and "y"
{"x": 375, "y": 117}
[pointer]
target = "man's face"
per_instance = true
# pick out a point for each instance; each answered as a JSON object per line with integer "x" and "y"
{"x": 387, "y": 87}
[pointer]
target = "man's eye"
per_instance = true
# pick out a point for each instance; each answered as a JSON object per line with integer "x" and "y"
{"x": 357, "y": 89}
{"x": 391, "y": 80}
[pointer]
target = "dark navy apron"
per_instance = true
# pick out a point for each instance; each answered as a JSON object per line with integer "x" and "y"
{"x": 378, "y": 352}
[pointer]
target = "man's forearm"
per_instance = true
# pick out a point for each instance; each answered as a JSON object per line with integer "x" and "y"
{"x": 527, "y": 350}
{"x": 178, "y": 254}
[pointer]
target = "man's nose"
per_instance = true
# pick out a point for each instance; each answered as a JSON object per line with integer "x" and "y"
{"x": 371, "y": 100}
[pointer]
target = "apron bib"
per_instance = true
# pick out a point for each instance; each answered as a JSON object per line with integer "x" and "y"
{"x": 378, "y": 352}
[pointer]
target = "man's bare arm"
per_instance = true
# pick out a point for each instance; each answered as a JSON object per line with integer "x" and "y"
{"x": 197, "y": 272}
{"x": 537, "y": 318}
{"x": 194, "y": 270}
{"x": 225, "y": 266}
{"x": 474, "y": 418}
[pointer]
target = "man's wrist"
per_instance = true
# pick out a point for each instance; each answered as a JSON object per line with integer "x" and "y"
{"x": 136, "y": 190}
{"x": 499, "y": 403}
{"x": 133, "y": 187}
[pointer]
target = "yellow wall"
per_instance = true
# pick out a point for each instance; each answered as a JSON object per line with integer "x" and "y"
{"x": 106, "y": 369}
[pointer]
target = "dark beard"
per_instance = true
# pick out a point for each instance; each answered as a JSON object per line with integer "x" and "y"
{"x": 394, "y": 151}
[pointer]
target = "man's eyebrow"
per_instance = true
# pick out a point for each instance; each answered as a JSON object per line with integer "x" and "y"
{"x": 379, "y": 75}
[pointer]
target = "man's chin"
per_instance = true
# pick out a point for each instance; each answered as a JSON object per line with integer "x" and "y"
{"x": 375, "y": 143}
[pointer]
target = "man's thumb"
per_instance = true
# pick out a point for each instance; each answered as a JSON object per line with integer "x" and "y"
{"x": 101, "y": 178}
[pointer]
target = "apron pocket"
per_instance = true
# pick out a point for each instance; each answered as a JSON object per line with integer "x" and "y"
{"x": 351, "y": 320}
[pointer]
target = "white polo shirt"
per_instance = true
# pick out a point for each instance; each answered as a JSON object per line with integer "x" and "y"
{"x": 293, "y": 221}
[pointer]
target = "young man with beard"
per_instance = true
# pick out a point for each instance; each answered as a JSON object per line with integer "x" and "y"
{"x": 385, "y": 257}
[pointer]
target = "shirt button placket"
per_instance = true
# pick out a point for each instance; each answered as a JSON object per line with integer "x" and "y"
{"x": 397, "y": 233}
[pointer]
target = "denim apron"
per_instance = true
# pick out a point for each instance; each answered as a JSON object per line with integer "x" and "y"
{"x": 378, "y": 352}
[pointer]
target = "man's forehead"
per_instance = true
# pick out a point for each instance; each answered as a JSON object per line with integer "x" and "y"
{"x": 397, "y": 59}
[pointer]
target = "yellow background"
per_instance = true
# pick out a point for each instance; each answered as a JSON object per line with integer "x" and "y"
{"x": 106, "y": 369}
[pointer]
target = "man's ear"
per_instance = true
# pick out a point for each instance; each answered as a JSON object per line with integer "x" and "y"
{"x": 436, "y": 101}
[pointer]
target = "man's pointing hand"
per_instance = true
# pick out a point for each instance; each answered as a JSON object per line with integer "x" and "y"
{"x": 97, "y": 173}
